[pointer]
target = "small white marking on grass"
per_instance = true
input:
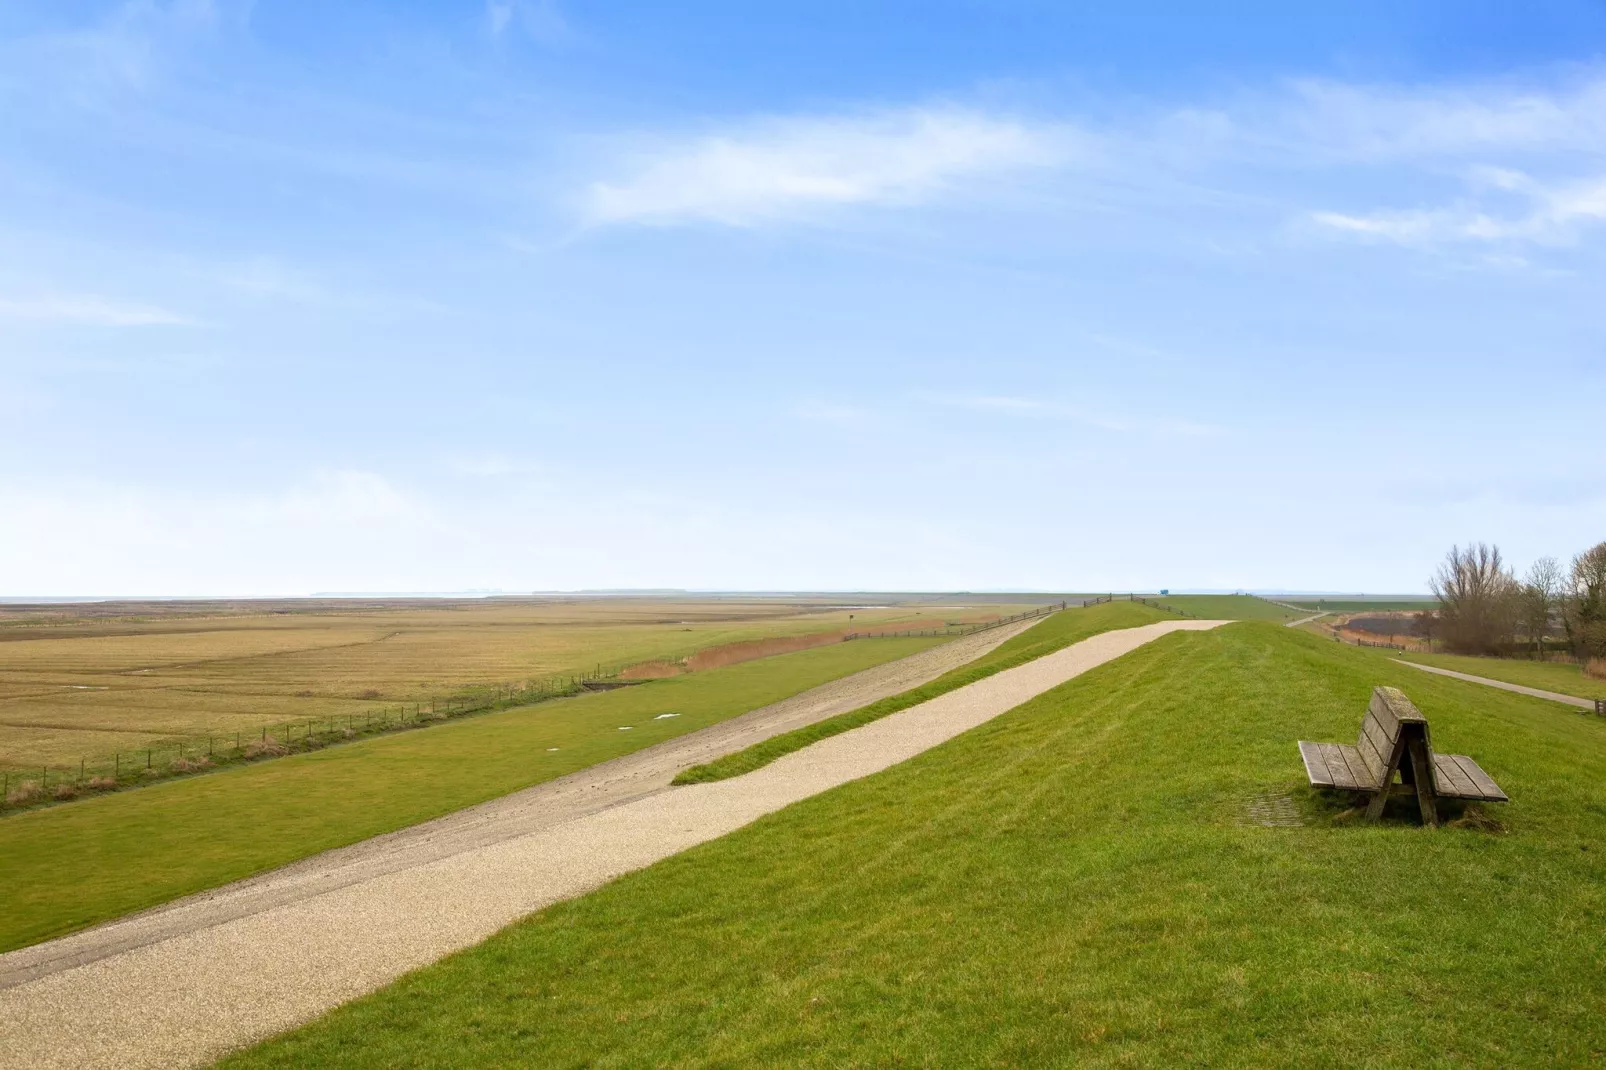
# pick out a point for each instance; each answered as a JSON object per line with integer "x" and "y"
{"x": 549, "y": 750}
{"x": 661, "y": 716}
{"x": 626, "y": 727}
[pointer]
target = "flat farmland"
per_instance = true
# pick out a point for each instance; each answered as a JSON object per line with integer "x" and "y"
{"x": 84, "y": 682}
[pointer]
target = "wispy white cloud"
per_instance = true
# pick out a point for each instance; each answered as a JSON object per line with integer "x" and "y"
{"x": 124, "y": 49}
{"x": 541, "y": 20}
{"x": 1422, "y": 121}
{"x": 95, "y": 311}
{"x": 781, "y": 169}
{"x": 1546, "y": 214}
{"x": 819, "y": 412}
{"x": 1116, "y": 422}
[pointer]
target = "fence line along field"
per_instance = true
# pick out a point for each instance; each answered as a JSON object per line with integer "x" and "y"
{"x": 88, "y": 681}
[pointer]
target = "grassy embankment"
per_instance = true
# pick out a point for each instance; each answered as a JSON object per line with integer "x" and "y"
{"x": 1051, "y": 634}
{"x": 1077, "y": 883}
{"x": 66, "y": 867}
{"x": 1555, "y": 676}
{"x": 1229, "y": 607}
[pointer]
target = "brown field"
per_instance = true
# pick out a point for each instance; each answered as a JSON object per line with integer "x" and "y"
{"x": 85, "y": 681}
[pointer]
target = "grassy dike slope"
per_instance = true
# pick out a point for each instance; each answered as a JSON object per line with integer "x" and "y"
{"x": 66, "y": 867}
{"x": 1048, "y": 635}
{"x": 1075, "y": 883}
{"x": 1546, "y": 675}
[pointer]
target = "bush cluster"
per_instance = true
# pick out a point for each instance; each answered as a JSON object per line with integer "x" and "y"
{"x": 1485, "y": 609}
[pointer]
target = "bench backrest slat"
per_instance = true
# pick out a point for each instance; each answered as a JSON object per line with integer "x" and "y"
{"x": 1375, "y": 748}
{"x": 1379, "y": 742}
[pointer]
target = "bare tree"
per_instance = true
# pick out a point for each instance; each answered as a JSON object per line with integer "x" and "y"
{"x": 1423, "y": 625}
{"x": 1477, "y": 600}
{"x": 1539, "y": 599}
{"x": 1584, "y": 607}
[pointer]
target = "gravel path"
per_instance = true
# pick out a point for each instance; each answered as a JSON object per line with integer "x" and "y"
{"x": 213, "y": 977}
{"x": 1554, "y": 696}
{"x": 585, "y": 791}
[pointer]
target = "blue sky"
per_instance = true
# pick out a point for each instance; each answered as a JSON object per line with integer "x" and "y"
{"x": 301, "y": 297}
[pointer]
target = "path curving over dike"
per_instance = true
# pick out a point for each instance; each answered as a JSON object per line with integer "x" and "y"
{"x": 212, "y": 981}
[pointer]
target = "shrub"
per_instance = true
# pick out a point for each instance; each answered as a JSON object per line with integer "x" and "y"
{"x": 1596, "y": 667}
{"x": 266, "y": 748}
{"x": 1584, "y": 608}
{"x": 190, "y": 765}
{"x": 64, "y": 791}
{"x": 100, "y": 783}
{"x": 24, "y": 793}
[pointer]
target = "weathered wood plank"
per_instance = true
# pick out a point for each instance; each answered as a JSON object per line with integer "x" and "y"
{"x": 1485, "y": 783}
{"x": 1347, "y": 774}
{"x": 1315, "y": 765}
{"x": 1403, "y": 709}
{"x": 1382, "y": 739}
{"x": 1422, "y": 774}
{"x": 1380, "y": 710}
{"x": 1376, "y": 757}
{"x": 1449, "y": 779}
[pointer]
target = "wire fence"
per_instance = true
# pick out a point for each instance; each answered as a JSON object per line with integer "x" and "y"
{"x": 1152, "y": 604}
{"x": 21, "y": 788}
{"x": 124, "y": 769}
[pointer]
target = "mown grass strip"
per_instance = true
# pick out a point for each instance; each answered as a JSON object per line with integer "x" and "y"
{"x": 70, "y": 866}
{"x": 1077, "y": 883}
{"x": 1051, "y": 634}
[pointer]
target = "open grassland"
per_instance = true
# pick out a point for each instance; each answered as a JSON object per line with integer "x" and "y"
{"x": 69, "y": 866}
{"x": 1363, "y": 605}
{"x": 1053, "y": 633}
{"x": 77, "y": 683}
{"x": 1225, "y": 606}
{"x": 1561, "y": 677}
{"x": 1080, "y": 882}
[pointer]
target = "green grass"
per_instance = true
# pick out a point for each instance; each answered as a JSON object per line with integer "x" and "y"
{"x": 70, "y": 866}
{"x": 1360, "y": 605}
{"x": 1074, "y": 884}
{"x": 1048, "y": 635}
{"x": 1228, "y": 607}
{"x": 1545, "y": 675}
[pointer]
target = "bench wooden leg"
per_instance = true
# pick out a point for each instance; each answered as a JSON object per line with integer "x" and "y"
{"x": 1422, "y": 773}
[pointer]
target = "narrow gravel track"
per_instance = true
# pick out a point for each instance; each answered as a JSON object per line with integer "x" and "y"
{"x": 219, "y": 978}
{"x": 582, "y": 792}
{"x": 1553, "y": 696}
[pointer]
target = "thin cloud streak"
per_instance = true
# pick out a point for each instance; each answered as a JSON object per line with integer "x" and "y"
{"x": 780, "y": 169}
{"x": 93, "y": 311}
{"x": 1116, "y": 423}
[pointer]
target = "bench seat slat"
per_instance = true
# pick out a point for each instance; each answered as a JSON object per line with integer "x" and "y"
{"x": 1349, "y": 772}
{"x": 1449, "y": 780}
{"x": 1315, "y": 765}
{"x": 1482, "y": 786}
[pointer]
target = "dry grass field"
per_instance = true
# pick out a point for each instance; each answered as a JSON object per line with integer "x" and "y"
{"x": 85, "y": 681}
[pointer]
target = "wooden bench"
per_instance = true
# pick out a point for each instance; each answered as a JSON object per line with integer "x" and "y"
{"x": 1394, "y": 738}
